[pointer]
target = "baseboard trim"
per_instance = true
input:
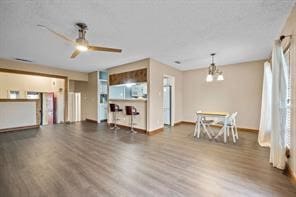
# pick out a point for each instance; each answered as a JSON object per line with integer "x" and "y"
{"x": 154, "y": 132}
{"x": 288, "y": 171}
{"x": 248, "y": 129}
{"x": 143, "y": 131}
{"x": 178, "y": 123}
{"x": 239, "y": 128}
{"x": 90, "y": 120}
{"x": 219, "y": 126}
{"x": 187, "y": 122}
{"x": 19, "y": 128}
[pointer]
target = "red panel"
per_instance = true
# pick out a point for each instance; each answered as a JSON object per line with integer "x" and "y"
{"x": 50, "y": 108}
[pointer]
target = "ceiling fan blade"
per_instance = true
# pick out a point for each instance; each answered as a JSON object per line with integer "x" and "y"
{"x": 58, "y": 34}
{"x": 75, "y": 53}
{"x": 95, "y": 48}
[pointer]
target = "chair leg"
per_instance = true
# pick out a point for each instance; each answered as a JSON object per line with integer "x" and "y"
{"x": 221, "y": 132}
{"x": 198, "y": 126}
{"x": 233, "y": 135}
{"x": 132, "y": 125}
{"x": 211, "y": 131}
{"x": 114, "y": 120}
{"x": 206, "y": 131}
{"x": 195, "y": 129}
{"x": 115, "y": 127}
{"x": 236, "y": 133}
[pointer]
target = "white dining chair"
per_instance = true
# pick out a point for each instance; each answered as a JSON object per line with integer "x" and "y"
{"x": 202, "y": 124}
{"x": 231, "y": 125}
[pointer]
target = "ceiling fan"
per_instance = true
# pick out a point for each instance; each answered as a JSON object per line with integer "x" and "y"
{"x": 81, "y": 43}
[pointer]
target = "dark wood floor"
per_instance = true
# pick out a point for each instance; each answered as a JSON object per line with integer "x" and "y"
{"x": 86, "y": 159}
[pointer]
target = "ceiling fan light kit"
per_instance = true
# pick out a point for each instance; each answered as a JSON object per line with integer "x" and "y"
{"x": 214, "y": 72}
{"x": 81, "y": 44}
{"x": 81, "y": 48}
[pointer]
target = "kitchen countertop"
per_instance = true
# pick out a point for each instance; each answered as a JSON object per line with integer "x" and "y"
{"x": 143, "y": 99}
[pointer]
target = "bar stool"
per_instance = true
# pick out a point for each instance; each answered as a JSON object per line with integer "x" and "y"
{"x": 131, "y": 111}
{"x": 114, "y": 108}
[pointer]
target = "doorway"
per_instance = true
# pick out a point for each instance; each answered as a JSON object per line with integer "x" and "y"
{"x": 168, "y": 100}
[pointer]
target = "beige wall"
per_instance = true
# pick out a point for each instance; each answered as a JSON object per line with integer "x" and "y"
{"x": 157, "y": 71}
{"x": 92, "y": 96}
{"x": 140, "y": 105}
{"x": 290, "y": 29}
{"x": 23, "y": 83}
{"x": 239, "y": 92}
{"x": 71, "y": 86}
{"x": 30, "y": 67}
{"x": 15, "y": 65}
{"x": 81, "y": 86}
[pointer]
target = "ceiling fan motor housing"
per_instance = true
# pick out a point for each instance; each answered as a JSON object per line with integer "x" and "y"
{"x": 81, "y": 34}
{"x": 81, "y": 41}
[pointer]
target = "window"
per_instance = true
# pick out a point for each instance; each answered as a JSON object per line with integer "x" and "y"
{"x": 32, "y": 95}
{"x": 13, "y": 94}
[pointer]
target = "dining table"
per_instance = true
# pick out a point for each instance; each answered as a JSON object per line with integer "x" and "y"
{"x": 220, "y": 115}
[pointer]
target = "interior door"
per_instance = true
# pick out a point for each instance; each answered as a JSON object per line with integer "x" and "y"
{"x": 167, "y": 105}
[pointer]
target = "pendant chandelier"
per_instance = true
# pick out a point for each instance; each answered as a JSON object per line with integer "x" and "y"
{"x": 214, "y": 72}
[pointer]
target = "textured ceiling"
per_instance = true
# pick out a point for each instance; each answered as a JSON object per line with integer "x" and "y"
{"x": 168, "y": 30}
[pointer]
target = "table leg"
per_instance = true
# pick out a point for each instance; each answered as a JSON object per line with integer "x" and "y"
{"x": 224, "y": 130}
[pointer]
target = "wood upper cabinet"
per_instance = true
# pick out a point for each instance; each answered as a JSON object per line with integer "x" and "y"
{"x": 135, "y": 76}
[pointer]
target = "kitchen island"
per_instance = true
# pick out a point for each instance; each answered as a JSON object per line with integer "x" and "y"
{"x": 18, "y": 114}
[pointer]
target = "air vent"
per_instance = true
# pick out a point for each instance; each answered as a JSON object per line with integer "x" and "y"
{"x": 23, "y": 60}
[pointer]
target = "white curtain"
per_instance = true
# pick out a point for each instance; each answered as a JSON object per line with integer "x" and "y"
{"x": 265, "y": 121}
{"x": 279, "y": 106}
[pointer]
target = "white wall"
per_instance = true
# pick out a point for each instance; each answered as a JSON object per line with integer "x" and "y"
{"x": 17, "y": 114}
{"x": 239, "y": 92}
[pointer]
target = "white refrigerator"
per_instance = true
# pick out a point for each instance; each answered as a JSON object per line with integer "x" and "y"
{"x": 167, "y": 105}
